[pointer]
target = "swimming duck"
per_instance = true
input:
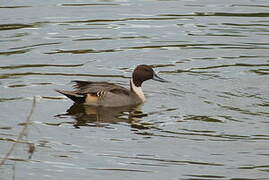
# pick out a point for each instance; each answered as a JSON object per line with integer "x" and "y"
{"x": 112, "y": 95}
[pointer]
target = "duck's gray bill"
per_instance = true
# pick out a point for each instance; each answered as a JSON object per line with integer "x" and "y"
{"x": 157, "y": 78}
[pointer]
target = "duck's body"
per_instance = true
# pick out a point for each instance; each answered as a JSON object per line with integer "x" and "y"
{"x": 109, "y": 94}
{"x": 102, "y": 94}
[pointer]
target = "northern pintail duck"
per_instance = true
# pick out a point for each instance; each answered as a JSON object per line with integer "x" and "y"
{"x": 112, "y": 95}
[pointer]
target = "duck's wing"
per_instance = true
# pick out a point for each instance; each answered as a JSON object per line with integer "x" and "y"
{"x": 98, "y": 88}
{"x": 94, "y": 91}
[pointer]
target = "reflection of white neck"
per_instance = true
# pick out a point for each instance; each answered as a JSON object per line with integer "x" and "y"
{"x": 138, "y": 91}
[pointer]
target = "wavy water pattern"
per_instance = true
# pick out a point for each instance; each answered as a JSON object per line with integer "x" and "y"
{"x": 209, "y": 122}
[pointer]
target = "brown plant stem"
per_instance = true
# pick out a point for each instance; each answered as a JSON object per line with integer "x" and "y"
{"x": 21, "y": 134}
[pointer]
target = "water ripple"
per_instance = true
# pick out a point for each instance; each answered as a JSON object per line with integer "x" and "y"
{"x": 36, "y": 45}
{"x": 167, "y": 161}
{"x": 123, "y": 19}
{"x": 12, "y": 75}
{"x": 82, "y": 51}
{"x": 7, "y": 53}
{"x": 120, "y": 169}
{"x": 219, "y": 14}
{"x": 89, "y": 4}
{"x": 39, "y": 65}
{"x": 14, "y": 7}
{"x": 4, "y": 27}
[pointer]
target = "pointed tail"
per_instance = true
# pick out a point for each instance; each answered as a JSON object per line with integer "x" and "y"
{"x": 77, "y": 98}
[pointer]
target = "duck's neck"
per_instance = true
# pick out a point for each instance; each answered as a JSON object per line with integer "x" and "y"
{"x": 137, "y": 90}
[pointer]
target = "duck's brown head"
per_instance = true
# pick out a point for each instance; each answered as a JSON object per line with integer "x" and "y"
{"x": 144, "y": 72}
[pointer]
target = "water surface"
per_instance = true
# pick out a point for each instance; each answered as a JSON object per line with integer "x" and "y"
{"x": 210, "y": 122}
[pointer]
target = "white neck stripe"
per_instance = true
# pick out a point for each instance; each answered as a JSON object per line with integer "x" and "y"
{"x": 138, "y": 91}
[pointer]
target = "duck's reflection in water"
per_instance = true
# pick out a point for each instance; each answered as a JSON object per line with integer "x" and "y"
{"x": 100, "y": 116}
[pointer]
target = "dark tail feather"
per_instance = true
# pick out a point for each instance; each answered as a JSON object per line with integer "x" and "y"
{"x": 73, "y": 96}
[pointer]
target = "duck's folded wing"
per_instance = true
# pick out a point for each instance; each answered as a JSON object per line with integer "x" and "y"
{"x": 98, "y": 88}
{"x": 93, "y": 92}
